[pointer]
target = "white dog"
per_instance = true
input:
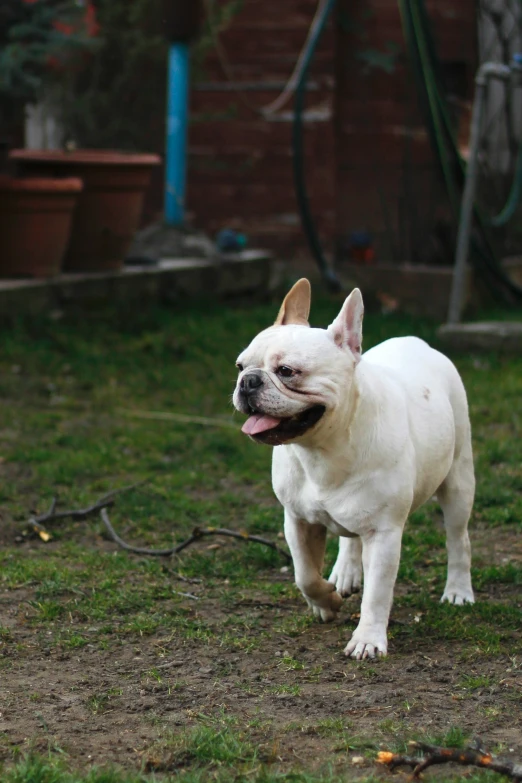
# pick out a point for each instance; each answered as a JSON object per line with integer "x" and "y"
{"x": 362, "y": 441}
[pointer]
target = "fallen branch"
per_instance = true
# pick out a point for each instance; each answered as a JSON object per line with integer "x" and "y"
{"x": 200, "y": 532}
{"x": 36, "y": 523}
{"x": 474, "y": 756}
{"x": 101, "y": 505}
{"x": 138, "y": 550}
{"x": 197, "y": 534}
{"x": 80, "y": 513}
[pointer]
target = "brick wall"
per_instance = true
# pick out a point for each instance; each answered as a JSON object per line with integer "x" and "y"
{"x": 368, "y": 159}
{"x": 240, "y": 163}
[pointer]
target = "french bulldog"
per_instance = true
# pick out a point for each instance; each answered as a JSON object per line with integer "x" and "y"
{"x": 361, "y": 441}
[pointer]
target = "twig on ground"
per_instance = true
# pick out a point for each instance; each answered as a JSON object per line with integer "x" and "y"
{"x": 79, "y": 513}
{"x": 40, "y": 529}
{"x": 107, "y": 500}
{"x": 186, "y": 595}
{"x": 200, "y": 532}
{"x": 138, "y": 550}
{"x": 474, "y": 756}
{"x": 197, "y": 534}
{"x": 182, "y": 418}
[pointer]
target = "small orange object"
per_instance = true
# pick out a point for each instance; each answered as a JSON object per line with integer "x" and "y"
{"x": 385, "y": 757}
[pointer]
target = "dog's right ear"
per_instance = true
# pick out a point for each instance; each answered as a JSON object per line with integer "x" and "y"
{"x": 296, "y": 305}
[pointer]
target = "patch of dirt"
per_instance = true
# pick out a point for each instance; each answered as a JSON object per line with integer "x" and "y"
{"x": 104, "y": 705}
{"x": 499, "y": 546}
{"x": 110, "y": 701}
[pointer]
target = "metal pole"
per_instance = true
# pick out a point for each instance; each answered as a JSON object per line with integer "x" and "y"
{"x": 458, "y": 289}
{"x": 176, "y": 144}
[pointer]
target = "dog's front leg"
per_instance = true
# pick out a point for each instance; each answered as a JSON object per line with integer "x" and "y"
{"x": 307, "y": 544}
{"x": 381, "y": 555}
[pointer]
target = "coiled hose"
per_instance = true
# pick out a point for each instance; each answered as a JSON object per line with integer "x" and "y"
{"x": 426, "y": 69}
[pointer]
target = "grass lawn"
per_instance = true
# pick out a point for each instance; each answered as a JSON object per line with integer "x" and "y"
{"x": 118, "y": 668}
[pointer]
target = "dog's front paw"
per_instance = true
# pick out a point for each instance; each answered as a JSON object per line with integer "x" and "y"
{"x": 328, "y": 607}
{"x": 325, "y": 615}
{"x": 366, "y": 644}
{"x": 458, "y": 595}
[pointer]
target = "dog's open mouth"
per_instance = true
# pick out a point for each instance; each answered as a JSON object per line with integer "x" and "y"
{"x": 274, "y": 432}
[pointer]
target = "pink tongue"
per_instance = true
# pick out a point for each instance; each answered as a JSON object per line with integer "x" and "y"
{"x": 259, "y": 423}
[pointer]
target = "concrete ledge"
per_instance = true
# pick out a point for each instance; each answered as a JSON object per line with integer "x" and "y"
{"x": 239, "y": 275}
{"x": 414, "y": 288}
{"x": 499, "y": 336}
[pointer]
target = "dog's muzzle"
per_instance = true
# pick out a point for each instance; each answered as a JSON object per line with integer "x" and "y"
{"x": 249, "y": 386}
{"x": 268, "y": 428}
{"x": 250, "y": 383}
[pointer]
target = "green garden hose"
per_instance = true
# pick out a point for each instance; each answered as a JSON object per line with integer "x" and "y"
{"x": 508, "y": 210}
{"x": 417, "y": 32}
{"x": 327, "y": 273}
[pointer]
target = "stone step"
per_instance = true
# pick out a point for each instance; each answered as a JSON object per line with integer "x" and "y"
{"x": 499, "y": 336}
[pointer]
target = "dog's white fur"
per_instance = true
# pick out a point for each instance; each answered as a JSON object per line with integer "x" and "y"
{"x": 395, "y": 432}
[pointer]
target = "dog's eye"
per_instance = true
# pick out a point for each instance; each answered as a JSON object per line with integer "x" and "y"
{"x": 285, "y": 372}
{"x": 239, "y": 366}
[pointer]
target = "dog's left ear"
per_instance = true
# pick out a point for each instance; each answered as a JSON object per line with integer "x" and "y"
{"x": 296, "y": 305}
{"x": 346, "y": 330}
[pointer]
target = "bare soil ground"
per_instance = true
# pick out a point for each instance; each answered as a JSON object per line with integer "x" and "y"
{"x": 302, "y": 700}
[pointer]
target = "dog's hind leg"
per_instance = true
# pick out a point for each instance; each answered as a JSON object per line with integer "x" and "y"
{"x": 347, "y": 571}
{"x": 455, "y": 496}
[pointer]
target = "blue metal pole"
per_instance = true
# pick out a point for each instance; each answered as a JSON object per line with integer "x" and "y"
{"x": 176, "y": 144}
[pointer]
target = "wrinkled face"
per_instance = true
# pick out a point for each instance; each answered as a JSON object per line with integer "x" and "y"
{"x": 290, "y": 379}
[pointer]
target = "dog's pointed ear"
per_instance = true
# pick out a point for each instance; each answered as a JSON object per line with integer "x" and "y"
{"x": 296, "y": 305}
{"x": 346, "y": 330}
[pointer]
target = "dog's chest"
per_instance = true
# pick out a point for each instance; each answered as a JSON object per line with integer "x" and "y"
{"x": 308, "y": 504}
{"x": 342, "y": 513}
{"x": 345, "y": 510}
{"x": 317, "y": 511}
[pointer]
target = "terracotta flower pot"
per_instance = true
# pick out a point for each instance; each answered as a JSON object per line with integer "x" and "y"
{"x": 110, "y": 206}
{"x": 35, "y": 224}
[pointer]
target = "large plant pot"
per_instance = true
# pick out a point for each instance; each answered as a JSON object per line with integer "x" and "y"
{"x": 35, "y": 224}
{"x": 110, "y": 206}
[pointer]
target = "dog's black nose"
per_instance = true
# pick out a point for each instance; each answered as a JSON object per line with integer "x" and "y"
{"x": 250, "y": 382}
